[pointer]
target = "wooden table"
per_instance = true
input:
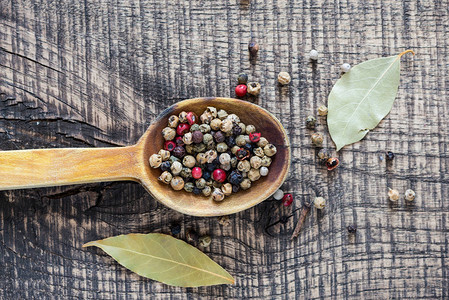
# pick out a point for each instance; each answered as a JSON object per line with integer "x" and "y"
{"x": 97, "y": 73}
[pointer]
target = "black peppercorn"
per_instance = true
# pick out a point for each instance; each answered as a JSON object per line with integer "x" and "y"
{"x": 253, "y": 48}
{"x": 235, "y": 188}
{"x": 248, "y": 147}
{"x": 196, "y": 190}
{"x": 389, "y": 155}
{"x": 236, "y": 130}
{"x": 351, "y": 229}
{"x": 242, "y": 154}
{"x": 197, "y": 137}
{"x": 165, "y": 166}
{"x": 230, "y": 141}
{"x": 179, "y": 152}
{"x": 191, "y": 235}
{"x": 210, "y": 167}
{"x": 219, "y": 137}
{"x": 175, "y": 228}
{"x": 206, "y": 175}
{"x": 235, "y": 178}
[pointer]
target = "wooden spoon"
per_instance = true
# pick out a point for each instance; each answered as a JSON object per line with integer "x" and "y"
{"x": 50, "y": 167}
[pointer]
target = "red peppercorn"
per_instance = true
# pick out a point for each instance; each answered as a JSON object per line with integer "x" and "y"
{"x": 179, "y": 141}
{"x": 182, "y": 129}
{"x": 169, "y": 146}
{"x": 240, "y": 90}
{"x": 191, "y": 118}
{"x": 254, "y": 137}
{"x": 219, "y": 175}
{"x": 332, "y": 163}
{"x": 197, "y": 173}
{"x": 287, "y": 200}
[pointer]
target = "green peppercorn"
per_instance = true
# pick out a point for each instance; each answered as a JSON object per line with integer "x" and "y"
{"x": 212, "y": 111}
{"x": 222, "y": 147}
{"x": 204, "y": 128}
{"x": 194, "y": 127}
{"x": 190, "y": 149}
{"x": 222, "y": 114}
{"x": 266, "y": 161}
{"x": 310, "y": 122}
{"x": 323, "y": 155}
{"x": 200, "y": 183}
{"x": 201, "y": 147}
{"x": 253, "y": 174}
{"x": 234, "y": 162}
{"x": 186, "y": 173}
{"x": 188, "y": 187}
{"x": 243, "y": 78}
{"x": 172, "y": 159}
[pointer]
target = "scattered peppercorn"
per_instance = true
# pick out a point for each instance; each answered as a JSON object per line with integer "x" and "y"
{"x": 345, "y": 67}
{"x": 389, "y": 155}
{"x": 287, "y": 199}
{"x": 313, "y": 55}
{"x": 224, "y": 220}
{"x": 205, "y": 241}
{"x": 242, "y": 78}
{"x": 191, "y": 235}
{"x": 393, "y": 195}
{"x": 240, "y": 90}
{"x": 175, "y": 228}
{"x": 253, "y": 48}
{"x": 322, "y": 110}
{"x": 351, "y": 229}
{"x": 332, "y": 163}
{"x": 278, "y": 195}
{"x": 409, "y": 195}
{"x": 323, "y": 155}
{"x": 253, "y": 88}
{"x": 310, "y": 122}
{"x": 319, "y": 202}
{"x": 317, "y": 139}
{"x": 284, "y": 78}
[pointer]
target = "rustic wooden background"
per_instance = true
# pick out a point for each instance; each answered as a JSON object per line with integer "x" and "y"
{"x": 95, "y": 73}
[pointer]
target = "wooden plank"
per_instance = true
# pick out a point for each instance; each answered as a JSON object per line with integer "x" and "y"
{"x": 96, "y": 73}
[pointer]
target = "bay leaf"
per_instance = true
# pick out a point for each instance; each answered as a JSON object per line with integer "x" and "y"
{"x": 361, "y": 98}
{"x": 164, "y": 258}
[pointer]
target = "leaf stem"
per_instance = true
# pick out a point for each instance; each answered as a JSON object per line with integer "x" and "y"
{"x": 406, "y": 51}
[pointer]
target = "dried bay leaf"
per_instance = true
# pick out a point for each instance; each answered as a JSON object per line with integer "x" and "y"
{"x": 361, "y": 98}
{"x": 164, "y": 258}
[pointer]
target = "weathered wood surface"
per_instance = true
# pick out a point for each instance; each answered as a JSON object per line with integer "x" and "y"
{"x": 96, "y": 73}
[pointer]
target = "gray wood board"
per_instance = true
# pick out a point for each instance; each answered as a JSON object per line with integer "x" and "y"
{"x": 96, "y": 73}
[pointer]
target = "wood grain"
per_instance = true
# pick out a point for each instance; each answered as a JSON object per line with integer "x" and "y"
{"x": 97, "y": 73}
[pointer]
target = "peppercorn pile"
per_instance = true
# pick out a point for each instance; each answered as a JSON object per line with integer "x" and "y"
{"x": 218, "y": 157}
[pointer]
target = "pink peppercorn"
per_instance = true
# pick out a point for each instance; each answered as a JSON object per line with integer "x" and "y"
{"x": 191, "y": 118}
{"x": 169, "y": 145}
{"x": 287, "y": 200}
{"x": 197, "y": 173}
{"x": 254, "y": 137}
{"x": 182, "y": 128}
{"x": 240, "y": 90}
{"x": 219, "y": 175}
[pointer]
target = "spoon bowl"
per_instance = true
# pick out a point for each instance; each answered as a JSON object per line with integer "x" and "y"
{"x": 51, "y": 167}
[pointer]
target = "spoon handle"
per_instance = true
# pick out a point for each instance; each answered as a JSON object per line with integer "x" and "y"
{"x": 50, "y": 167}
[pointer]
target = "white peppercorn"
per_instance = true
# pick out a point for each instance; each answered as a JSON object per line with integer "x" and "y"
{"x": 187, "y": 138}
{"x": 269, "y": 150}
{"x": 204, "y": 128}
{"x": 256, "y": 162}
{"x": 173, "y": 121}
{"x": 233, "y": 118}
{"x": 207, "y": 191}
{"x": 208, "y": 138}
{"x": 189, "y": 161}
{"x": 177, "y": 183}
{"x": 313, "y": 55}
{"x": 247, "y": 140}
{"x": 218, "y": 195}
{"x": 242, "y": 126}
{"x": 266, "y": 161}
{"x": 244, "y": 166}
{"x": 201, "y": 158}
{"x": 212, "y": 111}
{"x": 155, "y": 161}
{"x": 393, "y": 195}
{"x": 253, "y": 174}
{"x": 176, "y": 168}
{"x": 245, "y": 184}
{"x": 206, "y": 118}
{"x": 319, "y": 202}
{"x": 409, "y": 195}
{"x": 182, "y": 117}
{"x": 165, "y": 155}
{"x": 226, "y": 125}
{"x": 262, "y": 142}
{"x": 222, "y": 114}
{"x": 240, "y": 140}
{"x": 234, "y": 149}
{"x": 168, "y": 133}
{"x": 215, "y": 124}
{"x": 278, "y": 194}
{"x": 225, "y": 167}
{"x": 227, "y": 189}
{"x": 284, "y": 78}
{"x": 259, "y": 152}
{"x": 250, "y": 129}
{"x": 211, "y": 155}
{"x": 345, "y": 67}
{"x": 253, "y": 88}
{"x": 263, "y": 171}
{"x": 224, "y": 158}
{"x": 166, "y": 177}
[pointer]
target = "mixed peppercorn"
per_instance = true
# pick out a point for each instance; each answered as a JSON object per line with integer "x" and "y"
{"x": 213, "y": 155}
